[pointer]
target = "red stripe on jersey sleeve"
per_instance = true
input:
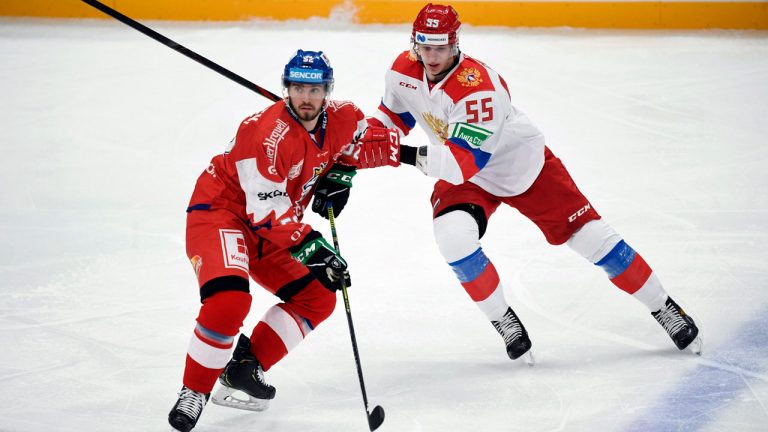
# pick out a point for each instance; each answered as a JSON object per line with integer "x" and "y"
{"x": 465, "y": 159}
{"x": 395, "y": 118}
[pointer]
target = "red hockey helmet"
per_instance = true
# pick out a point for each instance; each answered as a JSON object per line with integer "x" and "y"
{"x": 436, "y": 25}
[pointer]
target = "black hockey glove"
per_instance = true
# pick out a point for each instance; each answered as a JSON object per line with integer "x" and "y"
{"x": 333, "y": 189}
{"x": 322, "y": 260}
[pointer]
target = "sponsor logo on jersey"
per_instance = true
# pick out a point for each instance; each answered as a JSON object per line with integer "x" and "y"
{"x": 438, "y": 127}
{"x": 234, "y": 249}
{"x": 431, "y": 39}
{"x": 406, "y": 85}
{"x": 473, "y": 135}
{"x": 579, "y": 212}
{"x": 263, "y": 196}
{"x": 469, "y": 77}
{"x": 273, "y": 140}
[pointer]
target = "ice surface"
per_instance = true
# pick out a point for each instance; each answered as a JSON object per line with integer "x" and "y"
{"x": 104, "y": 132}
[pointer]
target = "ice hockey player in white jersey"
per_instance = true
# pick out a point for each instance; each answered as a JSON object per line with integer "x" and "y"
{"x": 484, "y": 153}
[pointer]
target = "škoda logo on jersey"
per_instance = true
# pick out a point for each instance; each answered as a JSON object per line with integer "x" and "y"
{"x": 469, "y": 77}
{"x": 272, "y": 141}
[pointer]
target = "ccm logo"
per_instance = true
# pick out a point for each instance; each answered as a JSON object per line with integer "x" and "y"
{"x": 394, "y": 145}
{"x": 406, "y": 85}
{"x": 579, "y": 212}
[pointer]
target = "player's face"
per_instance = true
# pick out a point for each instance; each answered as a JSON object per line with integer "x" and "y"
{"x": 307, "y": 100}
{"x": 437, "y": 59}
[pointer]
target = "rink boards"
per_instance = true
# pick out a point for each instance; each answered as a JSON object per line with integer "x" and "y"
{"x": 593, "y": 14}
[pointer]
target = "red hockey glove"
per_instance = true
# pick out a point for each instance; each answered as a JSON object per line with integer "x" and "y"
{"x": 379, "y": 147}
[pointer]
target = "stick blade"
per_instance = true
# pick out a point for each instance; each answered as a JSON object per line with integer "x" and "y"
{"x": 376, "y": 417}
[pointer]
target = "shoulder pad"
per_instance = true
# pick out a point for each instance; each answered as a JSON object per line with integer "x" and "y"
{"x": 471, "y": 76}
{"x": 407, "y": 64}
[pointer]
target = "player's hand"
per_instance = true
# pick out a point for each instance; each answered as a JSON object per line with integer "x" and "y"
{"x": 322, "y": 260}
{"x": 333, "y": 190}
{"x": 379, "y": 147}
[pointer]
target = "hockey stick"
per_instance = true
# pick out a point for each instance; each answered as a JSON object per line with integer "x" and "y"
{"x": 182, "y": 49}
{"x": 375, "y": 416}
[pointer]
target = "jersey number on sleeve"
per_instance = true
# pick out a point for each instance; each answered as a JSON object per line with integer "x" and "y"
{"x": 485, "y": 108}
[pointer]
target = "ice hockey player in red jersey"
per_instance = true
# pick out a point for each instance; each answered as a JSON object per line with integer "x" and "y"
{"x": 244, "y": 220}
{"x": 484, "y": 153}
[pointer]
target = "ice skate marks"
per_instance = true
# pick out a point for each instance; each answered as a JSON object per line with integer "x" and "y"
{"x": 720, "y": 380}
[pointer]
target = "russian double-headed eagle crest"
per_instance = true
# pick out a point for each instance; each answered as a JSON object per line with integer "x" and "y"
{"x": 469, "y": 77}
{"x": 439, "y": 127}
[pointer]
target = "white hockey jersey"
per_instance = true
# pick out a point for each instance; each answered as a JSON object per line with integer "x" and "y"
{"x": 475, "y": 132}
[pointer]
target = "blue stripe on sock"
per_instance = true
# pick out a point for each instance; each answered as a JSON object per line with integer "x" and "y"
{"x": 216, "y": 337}
{"x": 470, "y": 267}
{"x": 617, "y": 260}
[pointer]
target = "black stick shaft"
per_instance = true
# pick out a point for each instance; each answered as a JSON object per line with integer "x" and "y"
{"x": 332, "y": 219}
{"x": 182, "y": 49}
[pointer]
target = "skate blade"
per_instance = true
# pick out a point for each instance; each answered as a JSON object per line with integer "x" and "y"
{"x": 232, "y": 398}
{"x": 529, "y": 358}
{"x": 697, "y": 346}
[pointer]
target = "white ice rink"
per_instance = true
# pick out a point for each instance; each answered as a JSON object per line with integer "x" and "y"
{"x": 105, "y": 131}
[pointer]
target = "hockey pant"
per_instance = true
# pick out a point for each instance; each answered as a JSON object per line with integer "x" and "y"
{"x": 224, "y": 254}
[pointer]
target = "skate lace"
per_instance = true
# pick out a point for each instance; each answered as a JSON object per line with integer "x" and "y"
{"x": 190, "y": 403}
{"x": 670, "y": 319}
{"x": 258, "y": 375}
{"x": 509, "y": 328}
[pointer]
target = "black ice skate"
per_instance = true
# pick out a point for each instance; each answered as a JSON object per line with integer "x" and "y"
{"x": 242, "y": 382}
{"x": 679, "y": 326}
{"x": 515, "y": 336}
{"x": 183, "y": 417}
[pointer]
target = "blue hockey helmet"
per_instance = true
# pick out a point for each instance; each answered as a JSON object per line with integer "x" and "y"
{"x": 309, "y": 67}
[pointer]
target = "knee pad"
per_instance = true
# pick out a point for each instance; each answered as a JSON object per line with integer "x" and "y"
{"x": 224, "y": 312}
{"x": 475, "y": 210}
{"x": 594, "y": 240}
{"x": 314, "y": 303}
{"x": 457, "y": 235}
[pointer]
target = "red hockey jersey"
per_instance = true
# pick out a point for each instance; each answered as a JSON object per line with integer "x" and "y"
{"x": 270, "y": 170}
